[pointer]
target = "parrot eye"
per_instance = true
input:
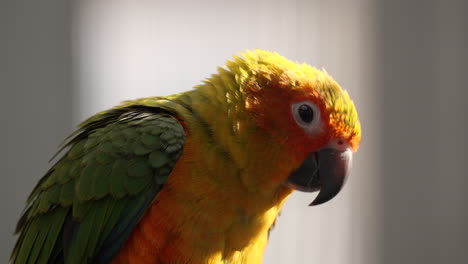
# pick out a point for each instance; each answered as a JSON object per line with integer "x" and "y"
{"x": 306, "y": 115}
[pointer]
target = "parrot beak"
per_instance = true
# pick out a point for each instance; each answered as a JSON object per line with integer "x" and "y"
{"x": 324, "y": 170}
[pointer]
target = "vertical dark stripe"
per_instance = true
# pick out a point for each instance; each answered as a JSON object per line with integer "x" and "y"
{"x": 423, "y": 67}
{"x": 36, "y": 98}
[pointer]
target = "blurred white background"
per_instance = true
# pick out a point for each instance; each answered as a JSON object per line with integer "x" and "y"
{"x": 404, "y": 64}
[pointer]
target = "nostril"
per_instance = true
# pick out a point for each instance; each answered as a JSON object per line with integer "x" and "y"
{"x": 338, "y": 144}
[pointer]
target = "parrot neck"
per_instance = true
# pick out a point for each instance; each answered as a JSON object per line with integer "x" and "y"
{"x": 235, "y": 194}
{"x": 215, "y": 116}
{"x": 225, "y": 193}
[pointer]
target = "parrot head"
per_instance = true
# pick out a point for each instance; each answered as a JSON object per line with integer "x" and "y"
{"x": 306, "y": 113}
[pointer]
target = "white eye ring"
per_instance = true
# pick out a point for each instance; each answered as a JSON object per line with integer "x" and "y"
{"x": 307, "y": 116}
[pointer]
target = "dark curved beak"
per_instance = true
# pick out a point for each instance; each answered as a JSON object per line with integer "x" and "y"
{"x": 324, "y": 170}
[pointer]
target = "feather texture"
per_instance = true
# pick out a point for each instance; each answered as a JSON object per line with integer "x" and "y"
{"x": 85, "y": 207}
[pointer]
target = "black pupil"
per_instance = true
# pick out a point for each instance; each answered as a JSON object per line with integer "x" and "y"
{"x": 306, "y": 113}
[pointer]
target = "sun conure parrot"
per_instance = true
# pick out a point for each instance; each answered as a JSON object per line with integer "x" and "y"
{"x": 196, "y": 177}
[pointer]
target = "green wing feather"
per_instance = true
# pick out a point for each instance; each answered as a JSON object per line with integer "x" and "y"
{"x": 117, "y": 162}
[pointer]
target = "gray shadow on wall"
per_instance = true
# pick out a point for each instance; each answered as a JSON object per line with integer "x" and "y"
{"x": 35, "y": 81}
{"x": 424, "y": 88}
